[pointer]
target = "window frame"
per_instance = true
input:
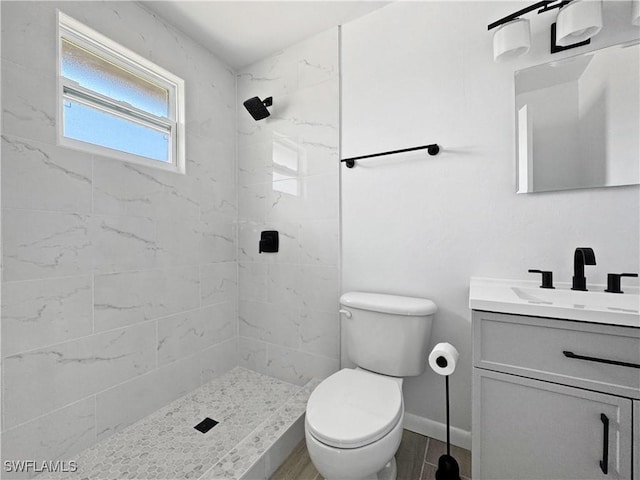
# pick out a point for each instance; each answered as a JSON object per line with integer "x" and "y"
{"x": 107, "y": 49}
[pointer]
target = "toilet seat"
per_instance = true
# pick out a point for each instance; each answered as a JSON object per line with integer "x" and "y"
{"x": 353, "y": 408}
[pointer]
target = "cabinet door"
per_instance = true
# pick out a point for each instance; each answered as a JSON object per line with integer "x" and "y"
{"x": 529, "y": 429}
{"x": 636, "y": 440}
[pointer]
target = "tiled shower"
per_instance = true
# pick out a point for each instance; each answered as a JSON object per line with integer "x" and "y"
{"x": 125, "y": 287}
{"x": 288, "y": 181}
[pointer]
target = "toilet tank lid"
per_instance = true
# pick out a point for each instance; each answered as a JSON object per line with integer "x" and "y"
{"x": 395, "y": 304}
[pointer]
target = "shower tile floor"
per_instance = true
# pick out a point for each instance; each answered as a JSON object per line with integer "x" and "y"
{"x": 253, "y": 411}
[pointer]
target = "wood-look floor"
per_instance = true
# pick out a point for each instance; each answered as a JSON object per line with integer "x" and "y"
{"x": 417, "y": 459}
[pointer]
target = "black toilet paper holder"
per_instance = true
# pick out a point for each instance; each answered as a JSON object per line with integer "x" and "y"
{"x": 448, "y": 468}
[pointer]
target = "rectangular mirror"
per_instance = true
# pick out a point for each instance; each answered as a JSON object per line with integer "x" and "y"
{"x": 578, "y": 121}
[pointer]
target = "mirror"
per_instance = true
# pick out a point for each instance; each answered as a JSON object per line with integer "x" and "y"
{"x": 578, "y": 121}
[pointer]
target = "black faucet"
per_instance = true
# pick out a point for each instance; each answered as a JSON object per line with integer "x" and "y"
{"x": 582, "y": 256}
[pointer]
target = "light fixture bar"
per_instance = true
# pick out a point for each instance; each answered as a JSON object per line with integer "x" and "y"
{"x": 560, "y": 4}
{"x": 544, "y": 6}
{"x": 515, "y": 15}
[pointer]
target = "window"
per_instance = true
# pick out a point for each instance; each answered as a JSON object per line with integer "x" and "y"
{"x": 116, "y": 103}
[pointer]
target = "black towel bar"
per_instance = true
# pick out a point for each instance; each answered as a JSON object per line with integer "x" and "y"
{"x": 432, "y": 149}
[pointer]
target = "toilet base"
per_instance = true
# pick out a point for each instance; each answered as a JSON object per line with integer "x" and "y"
{"x": 357, "y": 463}
{"x": 389, "y": 472}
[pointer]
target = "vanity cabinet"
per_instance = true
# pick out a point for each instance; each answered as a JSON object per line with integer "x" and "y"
{"x": 636, "y": 437}
{"x": 540, "y": 414}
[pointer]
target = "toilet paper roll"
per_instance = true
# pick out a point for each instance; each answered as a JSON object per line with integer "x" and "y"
{"x": 443, "y": 359}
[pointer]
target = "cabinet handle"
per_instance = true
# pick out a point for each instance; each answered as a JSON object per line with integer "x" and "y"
{"x": 600, "y": 360}
{"x": 604, "y": 463}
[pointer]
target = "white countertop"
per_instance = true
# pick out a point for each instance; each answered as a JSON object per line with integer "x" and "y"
{"x": 524, "y": 297}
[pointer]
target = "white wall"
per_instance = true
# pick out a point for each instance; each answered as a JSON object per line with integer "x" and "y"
{"x": 416, "y": 73}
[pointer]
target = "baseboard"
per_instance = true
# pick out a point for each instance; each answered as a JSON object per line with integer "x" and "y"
{"x": 437, "y": 430}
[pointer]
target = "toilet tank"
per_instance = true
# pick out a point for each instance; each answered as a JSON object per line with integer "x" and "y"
{"x": 388, "y": 334}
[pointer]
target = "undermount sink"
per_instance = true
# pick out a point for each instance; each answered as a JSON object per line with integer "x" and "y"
{"x": 577, "y": 299}
{"x": 526, "y": 298}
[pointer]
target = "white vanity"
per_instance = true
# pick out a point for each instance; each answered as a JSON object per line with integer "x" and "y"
{"x": 556, "y": 382}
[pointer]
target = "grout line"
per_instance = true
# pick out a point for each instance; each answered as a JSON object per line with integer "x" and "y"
{"x": 168, "y": 268}
{"x": 93, "y": 163}
{"x": 426, "y": 449}
{"x": 41, "y": 279}
{"x": 424, "y": 457}
{"x": 296, "y": 350}
{"x": 95, "y": 333}
{"x": 236, "y": 185}
{"x": 2, "y": 396}
{"x": 93, "y": 304}
{"x": 95, "y": 419}
{"x": 157, "y": 343}
{"x": 52, "y": 345}
{"x": 50, "y": 412}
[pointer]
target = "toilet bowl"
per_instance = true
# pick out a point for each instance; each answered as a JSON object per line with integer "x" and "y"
{"x": 353, "y": 423}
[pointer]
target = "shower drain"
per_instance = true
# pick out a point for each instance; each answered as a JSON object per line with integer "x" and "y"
{"x": 205, "y": 425}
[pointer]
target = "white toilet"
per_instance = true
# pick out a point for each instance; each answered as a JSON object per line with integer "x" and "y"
{"x": 353, "y": 424}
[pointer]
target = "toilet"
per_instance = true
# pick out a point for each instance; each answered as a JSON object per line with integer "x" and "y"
{"x": 354, "y": 418}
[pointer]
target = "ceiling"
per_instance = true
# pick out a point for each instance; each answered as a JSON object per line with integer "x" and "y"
{"x": 242, "y": 32}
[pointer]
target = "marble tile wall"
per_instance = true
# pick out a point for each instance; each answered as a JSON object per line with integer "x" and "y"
{"x": 119, "y": 281}
{"x": 288, "y": 181}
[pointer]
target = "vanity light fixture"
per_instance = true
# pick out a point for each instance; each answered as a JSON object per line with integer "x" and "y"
{"x": 511, "y": 39}
{"x": 577, "y": 22}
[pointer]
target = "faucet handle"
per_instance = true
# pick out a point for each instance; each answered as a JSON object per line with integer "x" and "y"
{"x": 269, "y": 241}
{"x": 613, "y": 281}
{"x": 547, "y": 278}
